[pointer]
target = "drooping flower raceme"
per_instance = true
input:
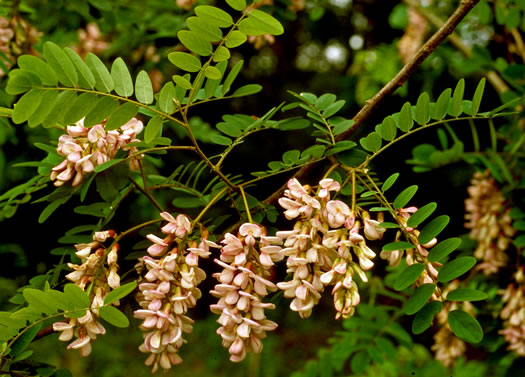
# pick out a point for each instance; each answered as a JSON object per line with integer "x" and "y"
{"x": 324, "y": 248}
{"x": 246, "y": 260}
{"x": 513, "y": 313}
{"x": 488, "y": 218}
{"x": 99, "y": 269}
{"x": 168, "y": 289}
{"x": 86, "y": 148}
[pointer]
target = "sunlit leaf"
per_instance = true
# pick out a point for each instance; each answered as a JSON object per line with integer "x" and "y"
{"x": 144, "y": 88}
{"x": 113, "y": 316}
{"x": 195, "y": 43}
{"x": 455, "y": 108}
{"x": 235, "y": 38}
{"x": 478, "y": 94}
{"x": 260, "y": 23}
{"x": 119, "y": 293}
{"x": 153, "y": 129}
{"x": 214, "y": 15}
{"x": 185, "y": 61}
{"x": 122, "y": 78}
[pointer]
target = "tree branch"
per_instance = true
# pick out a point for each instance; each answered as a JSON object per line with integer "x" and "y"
{"x": 439, "y": 36}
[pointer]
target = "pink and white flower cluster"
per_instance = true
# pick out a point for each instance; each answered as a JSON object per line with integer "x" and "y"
{"x": 513, "y": 314}
{"x": 100, "y": 271}
{"x": 86, "y": 148}
{"x": 324, "y": 248}
{"x": 246, "y": 260}
{"x": 168, "y": 289}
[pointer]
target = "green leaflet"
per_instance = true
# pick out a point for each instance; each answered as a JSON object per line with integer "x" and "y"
{"x": 247, "y": 90}
{"x": 260, "y": 23}
{"x": 478, "y": 94}
{"x": 49, "y": 99}
{"x": 83, "y": 104}
{"x": 387, "y": 129}
{"x": 121, "y": 78}
{"x": 103, "y": 80}
{"x": 422, "y": 115}
{"x": 63, "y": 100}
{"x": 153, "y": 129}
{"x": 185, "y": 61}
{"x": 433, "y": 228}
{"x": 408, "y": 276}
{"x": 39, "y": 300}
{"x": 389, "y": 182}
{"x": 102, "y": 110}
{"x": 40, "y": 68}
{"x": 405, "y": 196}
{"x": 195, "y": 42}
{"x": 166, "y": 96}
{"x": 86, "y": 79}
{"x": 231, "y": 77}
{"x": 121, "y": 116}
{"x": 143, "y": 88}
{"x": 204, "y": 29}
{"x": 405, "y": 122}
{"x": 441, "y": 107}
{"x": 21, "y": 81}
{"x": 455, "y": 268}
{"x": 182, "y": 82}
{"x": 466, "y": 294}
{"x": 455, "y": 108}
{"x": 423, "y": 319}
{"x": 213, "y": 73}
{"x": 419, "y": 298}
{"x": 76, "y": 296}
{"x": 27, "y": 105}
{"x": 371, "y": 143}
{"x": 235, "y": 39}
{"x": 239, "y": 5}
{"x": 421, "y": 215}
{"x": 398, "y": 245}
{"x": 221, "y": 54}
{"x": 465, "y": 326}
{"x": 114, "y": 316}
{"x": 61, "y": 64}
{"x": 214, "y": 15}
{"x": 120, "y": 292}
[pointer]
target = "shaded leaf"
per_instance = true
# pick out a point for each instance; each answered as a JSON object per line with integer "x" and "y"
{"x": 433, "y": 228}
{"x": 372, "y": 142}
{"x": 442, "y": 249}
{"x": 388, "y": 129}
{"x": 49, "y": 99}
{"x": 82, "y": 105}
{"x": 231, "y": 77}
{"x": 464, "y": 326}
{"x": 422, "y": 115}
{"x": 419, "y": 298}
{"x": 478, "y": 94}
{"x": 456, "y": 106}
{"x": 342, "y": 126}
{"x": 333, "y": 108}
{"x": 25, "y": 339}
{"x": 405, "y": 196}
{"x": 455, "y": 268}
{"x": 441, "y": 107}
{"x": 405, "y": 118}
{"x": 421, "y": 215}
{"x": 466, "y": 294}
{"x": 398, "y": 245}
{"x": 423, "y": 319}
{"x": 408, "y": 276}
